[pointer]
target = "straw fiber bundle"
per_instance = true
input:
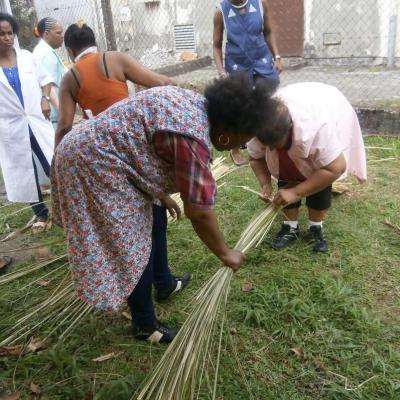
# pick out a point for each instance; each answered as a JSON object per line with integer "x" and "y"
{"x": 181, "y": 370}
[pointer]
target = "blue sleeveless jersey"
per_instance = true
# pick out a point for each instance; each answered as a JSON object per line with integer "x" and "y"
{"x": 246, "y": 49}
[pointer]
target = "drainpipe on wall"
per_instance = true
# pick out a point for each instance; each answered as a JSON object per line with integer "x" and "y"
{"x": 392, "y": 41}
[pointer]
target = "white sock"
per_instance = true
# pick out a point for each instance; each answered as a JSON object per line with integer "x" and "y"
{"x": 293, "y": 224}
{"x": 313, "y": 223}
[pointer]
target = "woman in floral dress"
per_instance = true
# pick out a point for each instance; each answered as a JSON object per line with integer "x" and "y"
{"x": 108, "y": 170}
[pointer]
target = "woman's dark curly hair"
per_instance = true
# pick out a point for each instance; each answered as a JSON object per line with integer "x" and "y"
{"x": 11, "y": 20}
{"x": 238, "y": 105}
{"x": 78, "y": 37}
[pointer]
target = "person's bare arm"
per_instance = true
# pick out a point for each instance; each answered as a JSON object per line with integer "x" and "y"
{"x": 205, "y": 224}
{"x": 318, "y": 181}
{"x": 137, "y": 73}
{"x": 44, "y": 103}
{"x": 54, "y": 98}
{"x": 218, "y": 35}
{"x": 261, "y": 171}
{"x": 269, "y": 35}
{"x": 67, "y": 107}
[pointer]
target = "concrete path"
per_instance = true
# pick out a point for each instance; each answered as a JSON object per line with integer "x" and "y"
{"x": 371, "y": 86}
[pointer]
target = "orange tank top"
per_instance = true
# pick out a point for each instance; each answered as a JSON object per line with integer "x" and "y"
{"x": 96, "y": 91}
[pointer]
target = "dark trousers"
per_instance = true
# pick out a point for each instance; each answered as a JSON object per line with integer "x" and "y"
{"x": 39, "y": 208}
{"x": 318, "y": 201}
{"x": 156, "y": 273}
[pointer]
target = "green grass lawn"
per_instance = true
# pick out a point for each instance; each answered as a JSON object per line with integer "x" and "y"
{"x": 300, "y": 325}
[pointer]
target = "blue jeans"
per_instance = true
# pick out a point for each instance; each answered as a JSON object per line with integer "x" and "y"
{"x": 156, "y": 273}
{"x": 39, "y": 208}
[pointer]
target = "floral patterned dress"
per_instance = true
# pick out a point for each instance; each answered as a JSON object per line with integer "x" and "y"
{"x": 105, "y": 177}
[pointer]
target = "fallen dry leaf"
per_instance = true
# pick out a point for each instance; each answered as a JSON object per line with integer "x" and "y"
{"x": 107, "y": 357}
{"x": 34, "y": 388}
{"x": 6, "y": 351}
{"x": 32, "y": 346}
{"x": 298, "y": 351}
{"x": 42, "y": 253}
{"x": 12, "y": 396}
{"x": 126, "y": 315}
{"x": 43, "y": 282}
{"x": 340, "y": 187}
{"x": 36, "y": 344}
{"x": 248, "y": 286}
{"x": 35, "y": 392}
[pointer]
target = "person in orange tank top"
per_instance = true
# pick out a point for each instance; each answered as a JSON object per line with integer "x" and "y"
{"x": 97, "y": 80}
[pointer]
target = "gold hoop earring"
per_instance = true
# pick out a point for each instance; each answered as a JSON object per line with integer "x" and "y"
{"x": 223, "y": 143}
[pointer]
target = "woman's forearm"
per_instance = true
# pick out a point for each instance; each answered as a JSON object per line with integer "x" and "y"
{"x": 60, "y": 133}
{"x": 261, "y": 171}
{"x": 318, "y": 181}
{"x": 271, "y": 42}
{"x": 217, "y": 51}
{"x": 46, "y": 89}
{"x": 206, "y": 226}
{"x": 322, "y": 178}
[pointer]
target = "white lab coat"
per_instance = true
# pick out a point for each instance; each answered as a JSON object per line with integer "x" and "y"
{"x": 15, "y": 148}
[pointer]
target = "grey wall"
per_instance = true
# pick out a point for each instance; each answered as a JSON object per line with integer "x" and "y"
{"x": 348, "y": 28}
{"x": 140, "y": 26}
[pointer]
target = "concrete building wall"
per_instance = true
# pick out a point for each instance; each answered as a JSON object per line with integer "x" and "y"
{"x": 349, "y": 28}
{"x": 142, "y": 25}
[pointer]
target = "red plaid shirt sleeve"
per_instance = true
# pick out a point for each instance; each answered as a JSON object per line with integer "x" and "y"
{"x": 191, "y": 160}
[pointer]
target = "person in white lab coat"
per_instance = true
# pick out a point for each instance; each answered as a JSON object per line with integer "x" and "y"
{"x": 24, "y": 127}
{"x": 51, "y": 34}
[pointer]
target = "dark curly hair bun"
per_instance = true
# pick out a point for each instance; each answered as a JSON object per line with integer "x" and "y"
{"x": 79, "y": 36}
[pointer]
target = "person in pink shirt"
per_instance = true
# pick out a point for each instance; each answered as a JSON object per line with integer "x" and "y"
{"x": 312, "y": 138}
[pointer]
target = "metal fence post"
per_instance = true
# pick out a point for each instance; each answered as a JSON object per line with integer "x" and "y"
{"x": 108, "y": 25}
{"x": 392, "y": 41}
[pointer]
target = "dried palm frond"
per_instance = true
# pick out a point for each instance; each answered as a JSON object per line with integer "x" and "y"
{"x": 61, "y": 309}
{"x": 29, "y": 269}
{"x": 19, "y": 231}
{"x": 395, "y": 227}
{"x": 179, "y": 373}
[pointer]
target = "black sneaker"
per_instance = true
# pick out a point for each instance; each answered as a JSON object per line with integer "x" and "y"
{"x": 156, "y": 333}
{"x": 317, "y": 236}
{"x": 284, "y": 237}
{"x": 179, "y": 283}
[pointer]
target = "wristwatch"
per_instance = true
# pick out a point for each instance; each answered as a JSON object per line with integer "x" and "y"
{"x": 46, "y": 97}
{"x": 277, "y": 57}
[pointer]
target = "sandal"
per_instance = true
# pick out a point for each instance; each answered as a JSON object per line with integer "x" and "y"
{"x": 41, "y": 225}
{"x": 236, "y": 162}
{"x": 5, "y": 263}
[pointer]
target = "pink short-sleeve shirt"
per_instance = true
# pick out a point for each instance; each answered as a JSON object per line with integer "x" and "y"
{"x": 325, "y": 125}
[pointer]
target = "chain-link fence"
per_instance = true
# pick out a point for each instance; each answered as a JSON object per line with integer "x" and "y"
{"x": 352, "y": 44}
